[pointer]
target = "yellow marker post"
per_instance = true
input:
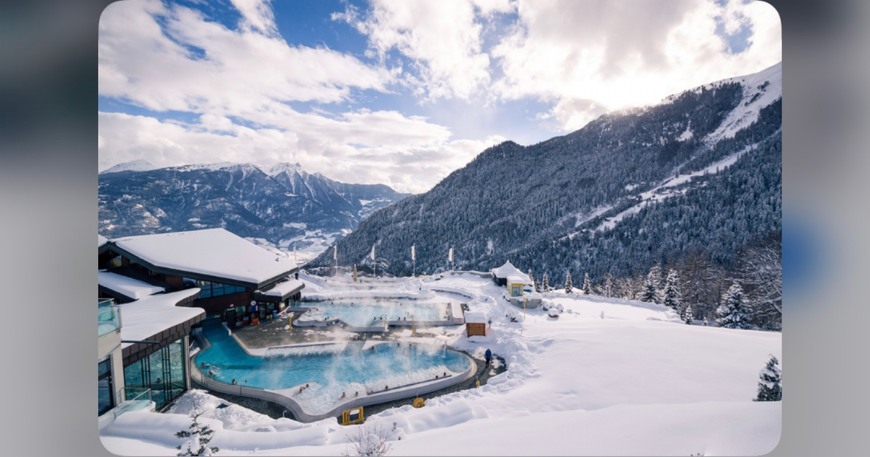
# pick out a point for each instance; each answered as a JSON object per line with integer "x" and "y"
{"x": 524, "y": 309}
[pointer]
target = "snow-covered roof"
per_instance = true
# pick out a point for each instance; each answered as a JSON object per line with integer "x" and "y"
{"x": 518, "y": 279}
{"x": 475, "y": 317}
{"x": 211, "y": 252}
{"x": 282, "y": 289}
{"x": 128, "y": 287}
{"x": 101, "y": 240}
{"x": 153, "y": 314}
{"x": 506, "y": 270}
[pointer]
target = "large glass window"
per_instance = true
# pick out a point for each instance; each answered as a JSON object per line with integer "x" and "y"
{"x": 163, "y": 372}
{"x": 105, "y": 386}
{"x": 215, "y": 289}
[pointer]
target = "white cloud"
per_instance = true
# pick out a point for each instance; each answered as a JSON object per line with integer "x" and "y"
{"x": 442, "y": 40}
{"x": 257, "y": 16}
{"x": 590, "y": 57}
{"x": 408, "y": 154}
{"x": 199, "y": 65}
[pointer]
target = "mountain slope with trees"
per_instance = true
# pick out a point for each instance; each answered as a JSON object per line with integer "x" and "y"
{"x": 284, "y": 205}
{"x": 692, "y": 184}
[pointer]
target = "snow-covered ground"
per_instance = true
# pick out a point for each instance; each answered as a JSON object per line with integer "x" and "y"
{"x": 608, "y": 377}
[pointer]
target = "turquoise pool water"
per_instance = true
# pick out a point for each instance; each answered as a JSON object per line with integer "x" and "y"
{"x": 366, "y": 313}
{"x": 351, "y": 368}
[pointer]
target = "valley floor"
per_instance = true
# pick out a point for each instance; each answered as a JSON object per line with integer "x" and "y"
{"x": 608, "y": 377}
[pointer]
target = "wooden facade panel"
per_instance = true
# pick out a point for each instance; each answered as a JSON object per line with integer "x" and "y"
{"x": 473, "y": 329}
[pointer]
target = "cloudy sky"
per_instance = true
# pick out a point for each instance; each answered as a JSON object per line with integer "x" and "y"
{"x": 395, "y": 91}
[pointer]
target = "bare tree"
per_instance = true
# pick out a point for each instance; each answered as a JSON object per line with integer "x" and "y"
{"x": 761, "y": 274}
{"x": 369, "y": 441}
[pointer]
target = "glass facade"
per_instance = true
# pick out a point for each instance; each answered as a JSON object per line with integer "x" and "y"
{"x": 210, "y": 289}
{"x": 105, "y": 386}
{"x": 163, "y": 372}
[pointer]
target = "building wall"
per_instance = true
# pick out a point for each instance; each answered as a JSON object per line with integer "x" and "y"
{"x": 219, "y": 305}
{"x": 109, "y": 346}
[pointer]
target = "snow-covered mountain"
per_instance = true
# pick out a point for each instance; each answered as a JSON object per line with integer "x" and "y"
{"x": 696, "y": 175}
{"x": 283, "y": 205}
{"x": 133, "y": 165}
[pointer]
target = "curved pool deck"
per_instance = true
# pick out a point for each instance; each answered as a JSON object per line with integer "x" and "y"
{"x": 278, "y": 377}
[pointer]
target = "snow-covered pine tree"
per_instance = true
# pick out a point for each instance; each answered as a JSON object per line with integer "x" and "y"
{"x": 545, "y": 283}
{"x": 687, "y": 315}
{"x": 649, "y": 293}
{"x": 770, "y": 385}
{"x": 672, "y": 296}
{"x": 608, "y": 285}
{"x": 199, "y": 435}
{"x": 655, "y": 274}
{"x": 587, "y": 285}
{"x": 569, "y": 286}
{"x": 732, "y": 313}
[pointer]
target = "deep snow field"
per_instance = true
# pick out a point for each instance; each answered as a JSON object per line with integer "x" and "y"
{"x": 608, "y": 377}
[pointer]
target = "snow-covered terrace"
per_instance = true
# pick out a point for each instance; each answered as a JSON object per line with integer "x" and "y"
{"x": 213, "y": 253}
{"x": 134, "y": 289}
{"x": 283, "y": 289}
{"x": 151, "y": 315}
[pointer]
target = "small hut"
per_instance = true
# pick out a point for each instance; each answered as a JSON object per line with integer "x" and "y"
{"x": 475, "y": 323}
{"x": 501, "y": 274}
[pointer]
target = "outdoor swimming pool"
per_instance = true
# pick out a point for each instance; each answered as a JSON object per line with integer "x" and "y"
{"x": 365, "y": 313}
{"x": 332, "y": 371}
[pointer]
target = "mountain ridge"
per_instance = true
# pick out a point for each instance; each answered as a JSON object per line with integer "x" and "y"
{"x": 283, "y": 205}
{"x": 588, "y": 201}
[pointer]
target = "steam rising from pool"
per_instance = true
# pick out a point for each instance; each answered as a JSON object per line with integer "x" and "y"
{"x": 365, "y": 313}
{"x": 333, "y": 373}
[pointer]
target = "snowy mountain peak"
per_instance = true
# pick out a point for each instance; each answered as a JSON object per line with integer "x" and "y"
{"x": 759, "y": 90}
{"x": 133, "y": 165}
{"x": 285, "y": 168}
{"x": 226, "y": 166}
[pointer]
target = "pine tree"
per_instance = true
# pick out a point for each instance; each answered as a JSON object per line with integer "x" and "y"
{"x": 655, "y": 275}
{"x": 608, "y": 285}
{"x": 569, "y": 286}
{"x": 649, "y": 293}
{"x": 199, "y": 435}
{"x": 687, "y": 314}
{"x": 545, "y": 283}
{"x": 587, "y": 285}
{"x": 672, "y": 296}
{"x": 770, "y": 385}
{"x": 732, "y": 313}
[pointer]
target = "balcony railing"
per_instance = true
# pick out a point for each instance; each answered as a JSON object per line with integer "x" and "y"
{"x": 135, "y": 399}
{"x": 108, "y": 317}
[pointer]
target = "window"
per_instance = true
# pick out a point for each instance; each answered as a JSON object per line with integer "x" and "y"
{"x": 106, "y": 400}
{"x": 163, "y": 372}
{"x": 215, "y": 289}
